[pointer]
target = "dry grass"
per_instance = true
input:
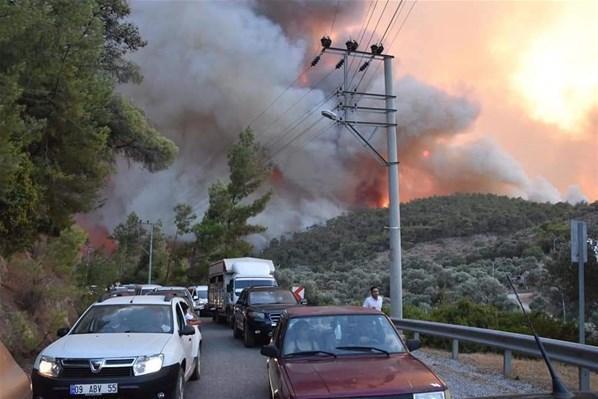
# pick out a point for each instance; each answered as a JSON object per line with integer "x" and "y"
{"x": 528, "y": 370}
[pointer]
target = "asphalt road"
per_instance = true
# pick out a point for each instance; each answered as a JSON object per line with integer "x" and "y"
{"x": 228, "y": 369}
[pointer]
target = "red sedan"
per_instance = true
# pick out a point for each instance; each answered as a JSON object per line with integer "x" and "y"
{"x": 345, "y": 352}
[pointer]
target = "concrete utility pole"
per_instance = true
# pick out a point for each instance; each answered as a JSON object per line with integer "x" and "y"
{"x": 396, "y": 278}
{"x": 349, "y": 104}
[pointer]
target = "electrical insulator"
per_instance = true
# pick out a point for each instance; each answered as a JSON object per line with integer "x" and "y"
{"x": 315, "y": 61}
{"x": 340, "y": 63}
{"x": 377, "y": 49}
{"x": 352, "y": 45}
{"x": 364, "y": 66}
{"x": 326, "y": 41}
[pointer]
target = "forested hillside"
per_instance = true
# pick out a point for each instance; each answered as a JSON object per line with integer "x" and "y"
{"x": 454, "y": 248}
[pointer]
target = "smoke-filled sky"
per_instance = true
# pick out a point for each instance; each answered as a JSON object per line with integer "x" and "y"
{"x": 491, "y": 97}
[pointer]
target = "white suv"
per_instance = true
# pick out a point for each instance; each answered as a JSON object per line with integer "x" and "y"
{"x": 133, "y": 347}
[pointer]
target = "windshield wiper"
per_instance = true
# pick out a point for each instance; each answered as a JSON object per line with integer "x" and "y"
{"x": 310, "y": 353}
{"x": 364, "y": 349}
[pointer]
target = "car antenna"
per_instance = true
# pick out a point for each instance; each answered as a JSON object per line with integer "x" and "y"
{"x": 558, "y": 388}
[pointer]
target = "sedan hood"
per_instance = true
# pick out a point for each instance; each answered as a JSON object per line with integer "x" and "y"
{"x": 107, "y": 345}
{"x": 360, "y": 376}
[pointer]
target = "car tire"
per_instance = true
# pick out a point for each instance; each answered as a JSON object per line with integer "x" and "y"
{"x": 248, "y": 337}
{"x": 179, "y": 389}
{"x": 197, "y": 369}
{"x": 236, "y": 332}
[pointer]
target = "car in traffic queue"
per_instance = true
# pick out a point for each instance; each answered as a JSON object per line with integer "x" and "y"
{"x": 258, "y": 310}
{"x": 345, "y": 352}
{"x": 181, "y": 292}
{"x": 133, "y": 347}
{"x": 200, "y": 298}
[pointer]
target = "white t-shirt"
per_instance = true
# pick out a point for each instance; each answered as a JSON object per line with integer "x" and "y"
{"x": 372, "y": 303}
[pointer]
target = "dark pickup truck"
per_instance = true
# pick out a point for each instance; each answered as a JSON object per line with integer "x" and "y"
{"x": 258, "y": 311}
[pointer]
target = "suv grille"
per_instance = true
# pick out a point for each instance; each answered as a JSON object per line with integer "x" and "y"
{"x": 80, "y": 368}
{"x": 275, "y": 318}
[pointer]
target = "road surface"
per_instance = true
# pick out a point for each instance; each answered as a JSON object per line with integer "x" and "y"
{"x": 231, "y": 371}
{"x": 228, "y": 369}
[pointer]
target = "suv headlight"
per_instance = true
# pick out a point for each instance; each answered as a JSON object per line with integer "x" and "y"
{"x": 259, "y": 316}
{"x": 49, "y": 367}
{"x": 432, "y": 395}
{"x": 148, "y": 364}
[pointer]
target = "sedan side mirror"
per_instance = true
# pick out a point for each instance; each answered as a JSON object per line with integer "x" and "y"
{"x": 413, "y": 344}
{"x": 62, "y": 331}
{"x": 270, "y": 351}
{"x": 187, "y": 330}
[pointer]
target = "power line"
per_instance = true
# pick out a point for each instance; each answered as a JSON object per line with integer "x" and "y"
{"x": 280, "y": 95}
{"x": 334, "y": 19}
{"x": 391, "y": 43}
{"x": 269, "y": 128}
{"x": 363, "y": 29}
{"x": 391, "y": 20}
{"x": 396, "y": 13}
{"x": 297, "y": 136}
{"x": 205, "y": 200}
{"x": 377, "y": 23}
{"x": 300, "y": 120}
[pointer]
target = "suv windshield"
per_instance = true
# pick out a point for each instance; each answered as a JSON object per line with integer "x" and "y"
{"x": 126, "y": 319}
{"x": 240, "y": 284}
{"x": 341, "y": 335}
{"x": 275, "y": 296}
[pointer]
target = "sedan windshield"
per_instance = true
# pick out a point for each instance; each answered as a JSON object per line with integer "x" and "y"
{"x": 265, "y": 297}
{"x": 341, "y": 335}
{"x": 126, "y": 319}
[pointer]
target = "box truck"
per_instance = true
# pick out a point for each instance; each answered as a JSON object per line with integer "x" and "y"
{"x": 228, "y": 277}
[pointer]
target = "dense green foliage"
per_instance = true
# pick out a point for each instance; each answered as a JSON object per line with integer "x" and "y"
{"x": 469, "y": 313}
{"x": 61, "y": 123}
{"x": 361, "y": 233}
{"x": 455, "y": 247}
{"x": 62, "y": 127}
{"x": 224, "y": 227}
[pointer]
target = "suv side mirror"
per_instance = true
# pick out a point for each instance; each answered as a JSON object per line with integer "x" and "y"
{"x": 270, "y": 351}
{"x": 62, "y": 331}
{"x": 413, "y": 344}
{"x": 187, "y": 330}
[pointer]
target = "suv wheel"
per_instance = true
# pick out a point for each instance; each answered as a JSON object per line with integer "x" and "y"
{"x": 248, "y": 337}
{"x": 179, "y": 389}
{"x": 236, "y": 332}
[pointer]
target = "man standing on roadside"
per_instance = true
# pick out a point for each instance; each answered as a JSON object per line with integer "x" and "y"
{"x": 374, "y": 301}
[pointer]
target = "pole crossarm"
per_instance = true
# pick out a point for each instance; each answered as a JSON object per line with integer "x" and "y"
{"x": 371, "y": 123}
{"x": 365, "y": 94}
{"x": 370, "y": 109}
{"x": 358, "y": 53}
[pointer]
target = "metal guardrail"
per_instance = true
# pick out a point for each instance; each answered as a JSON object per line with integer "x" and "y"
{"x": 583, "y": 356}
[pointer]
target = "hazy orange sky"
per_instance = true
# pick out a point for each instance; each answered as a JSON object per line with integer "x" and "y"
{"x": 533, "y": 68}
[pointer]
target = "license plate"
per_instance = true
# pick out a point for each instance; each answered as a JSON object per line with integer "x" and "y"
{"x": 93, "y": 389}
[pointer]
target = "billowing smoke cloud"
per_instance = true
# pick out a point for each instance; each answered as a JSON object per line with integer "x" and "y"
{"x": 211, "y": 67}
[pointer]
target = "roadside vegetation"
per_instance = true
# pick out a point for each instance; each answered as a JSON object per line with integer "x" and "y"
{"x": 457, "y": 252}
{"x": 63, "y": 126}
